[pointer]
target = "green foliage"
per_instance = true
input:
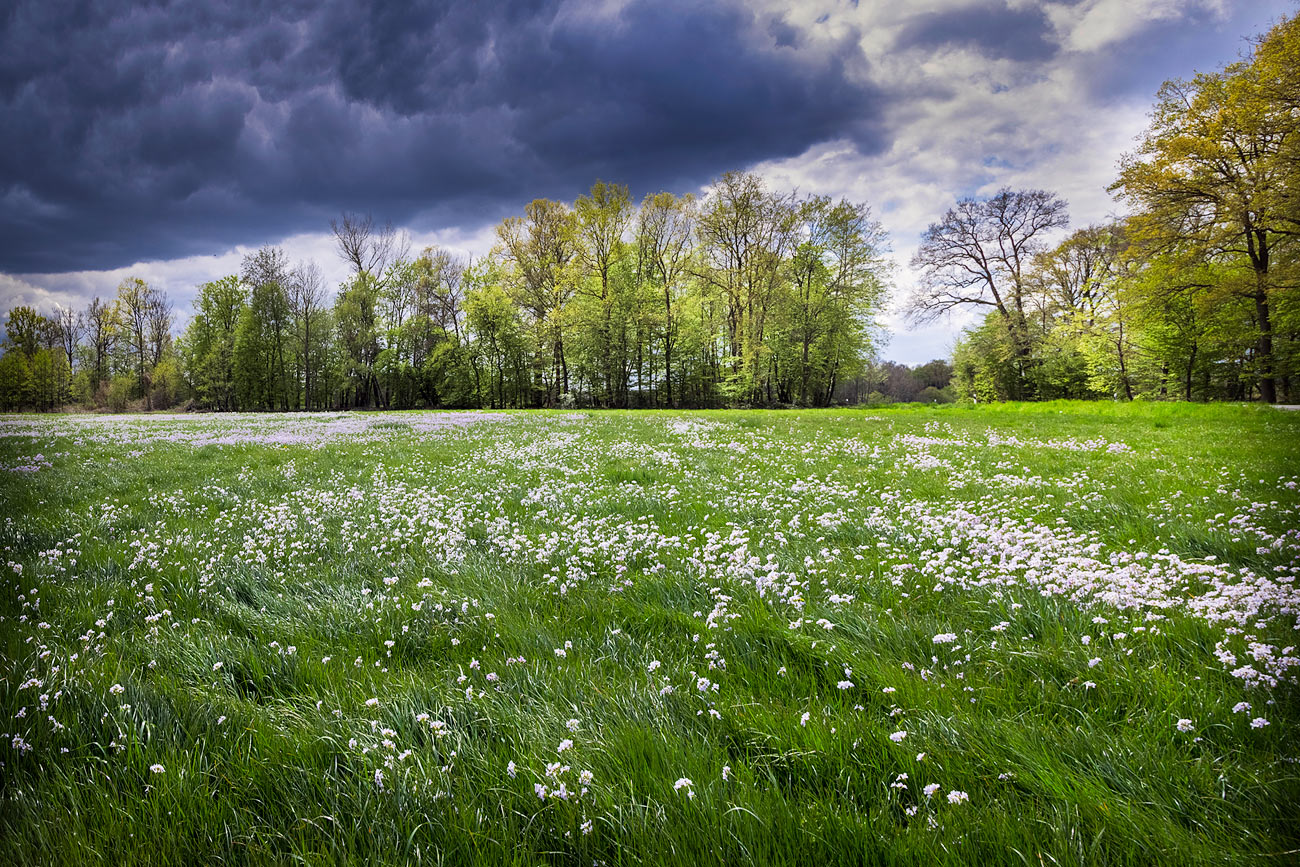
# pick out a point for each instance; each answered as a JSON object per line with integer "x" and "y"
{"x": 15, "y": 381}
{"x": 119, "y": 393}
{"x": 1215, "y": 180}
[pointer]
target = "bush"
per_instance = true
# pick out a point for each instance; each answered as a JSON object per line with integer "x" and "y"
{"x": 118, "y": 394}
{"x": 930, "y": 394}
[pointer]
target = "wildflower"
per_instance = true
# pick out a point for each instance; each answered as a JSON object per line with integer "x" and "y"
{"x": 216, "y": 666}
{"x": 117, "y": 689}
{"x": 726, "y": 773}
{"x": 586, "y": 777}
{"x": 684, "y": 783}
{"x": 511, "y": 769}
{"x": 1094, "y": 662}
{"x": 956, "y": 797}
{"x": 565, "y": 744}
{"x": 897, "y": 737}
{"x": 920, "y": 757}
{"x": 1241, "y": 707}
{"x": 888, "y": 690}
{"x": 845, "y": 684}
{"x": 379, "y": 779}
{"x": 803, "y": 720}
{"x": 653, "y": 666}
{"x": 157, "y": 769}
{"x": 572, "y": 725}
{"x": 585, "y": 827}
{"x": 945, "y": 638}
{"x": 1184, "y": 725}
{"x": 372, "y": 702}
{"x": 931, "y": 789}
{"x": 221, "y": 719}
{"x": 1258, "y": 722}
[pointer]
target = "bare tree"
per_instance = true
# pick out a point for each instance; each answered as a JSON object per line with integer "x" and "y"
{"x": 72, "y": 325}
{"x": 159, "y": 312}
{"x": 369, "y": 250}
{"x": 979, "y": 254}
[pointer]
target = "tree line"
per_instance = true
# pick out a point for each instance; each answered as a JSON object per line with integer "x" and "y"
{"x": 746, "y": 297}
{"x": 1193, "y": 295}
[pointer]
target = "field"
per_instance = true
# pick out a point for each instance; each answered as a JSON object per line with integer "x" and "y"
{"x": 1051, "y": 634}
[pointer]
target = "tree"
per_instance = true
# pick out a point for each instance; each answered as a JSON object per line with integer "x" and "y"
{"x": 356, "y": 316}
{"x": 145, "y": 324}
{"x": 493, "y": 318}
{"x": 209, "y": 342}
{"x": 72, "y": 325}
{"x": 978, "y": 256}
{"x": 540, "y": 250}
{"x": 746, "y": 233}
{"x": 369, "y": 250}
{"x": 28, "y": 331}
{"x": 266, "y": 273}
{"x": 306, "y": 305}
{"x": 665, "y": 227}
{"x": 15, "y": 381}
{"x": 102, "y": 326}
{"x": 837, "y": 290}
{"x": 1082, "y": 297}
{"x": 1216, "y": 169}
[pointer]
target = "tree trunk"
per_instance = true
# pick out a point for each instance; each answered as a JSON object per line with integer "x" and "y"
{"x": 1264, "y": 346}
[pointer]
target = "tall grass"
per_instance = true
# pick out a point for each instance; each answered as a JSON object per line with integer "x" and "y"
{"x": 587, "y": 562}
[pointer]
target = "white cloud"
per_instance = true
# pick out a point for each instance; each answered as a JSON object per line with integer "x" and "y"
{"x": 1095, "y": 25}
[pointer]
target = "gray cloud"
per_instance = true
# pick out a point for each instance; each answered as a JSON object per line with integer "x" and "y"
{"x": 170, "y": 129}
{"x": 995, "y": 30}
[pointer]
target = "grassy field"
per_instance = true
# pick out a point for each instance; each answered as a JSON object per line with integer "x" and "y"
{"x": 1039, "y": 634}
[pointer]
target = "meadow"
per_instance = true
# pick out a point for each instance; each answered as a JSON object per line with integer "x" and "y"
{"x": 1020, "y": 634}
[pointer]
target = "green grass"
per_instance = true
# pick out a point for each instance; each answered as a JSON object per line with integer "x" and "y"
{"x": 440, "y": 569}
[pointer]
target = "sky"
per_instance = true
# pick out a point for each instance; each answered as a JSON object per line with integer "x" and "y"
{"x": 166, "y": 140}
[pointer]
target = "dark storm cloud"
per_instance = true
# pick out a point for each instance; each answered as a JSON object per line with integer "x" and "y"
{"x": 995, "y": 31}
{"x": 167, "y": 129}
